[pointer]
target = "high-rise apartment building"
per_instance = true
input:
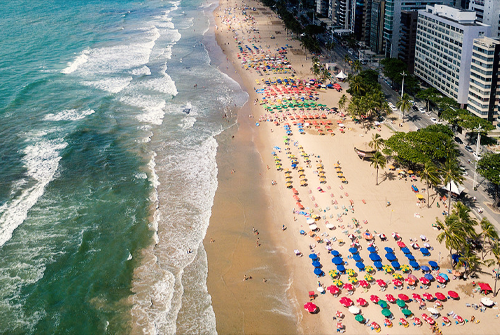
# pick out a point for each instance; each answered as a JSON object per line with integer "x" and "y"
{"x": 408, "y": 33}
{"x": 484, "y": 92}
{"x": 377, "y": 26}
{"x": 488, "y": 12}
{"x": 443, "y": 49}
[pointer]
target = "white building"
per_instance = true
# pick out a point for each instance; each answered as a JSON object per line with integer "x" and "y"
{"x": 488, "y": 12}
{"x": 443, "y": 50}
{"x": 483, "y": 90}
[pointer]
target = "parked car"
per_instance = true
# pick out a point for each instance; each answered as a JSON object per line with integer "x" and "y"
{"x": 421, "y": 109}
{"x": 468, "y": 148}
{"x": 477, "y": 156}
{"x": 458, "y": 140}
{"x": 434, "y": 120}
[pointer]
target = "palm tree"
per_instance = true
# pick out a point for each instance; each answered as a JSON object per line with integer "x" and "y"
{"x": 404, "y": 105}
{"x": 488, "y": 234}
{"x": 495, "y": 250}
{"x": 342, "y": 102}
{"x": 356, "y": 66}
{"x": 356, "y": 84}
{"x": 378, "y": 160}
{"x": 450, "y": 172}
{"x": 377, "y": 142}
{"x": 430, "y": 174}
{"x": 347, "y": 59}
{"x": 451, "y": 233}
{"x": 469, "y": 260}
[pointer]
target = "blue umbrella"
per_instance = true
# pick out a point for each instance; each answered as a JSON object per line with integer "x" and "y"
{"x": 429, "y": 276}
{"x": 387, "y": 249}
{"x": 414, "y": 265}
{"x": 337, "y": 260}
{"x": 425, "y": 268}
{"x": 424, "y": 251}
{"x": 406, "y": 250}
{"x": 378, "y": 265}
{"x": 433, "y": 265}
{"x": 390, "y": 257}
{"x": 313, "y": 256}
{"x": 316, "y": 264}
{"x": 360, "y": 265}
{"x": 445, "y": 276}
{"x": 395, "y": 265}
{"x": 356, "y": 257}
{"x": 318, "y": 271}
{"x": 335, "y": 253}
{"x": 410, "y": 257}
{"x": 353, "y": 250}
{"x": 341, "y": 268}
{"x": 455, "y": 257}
{"x": 375, "y": 257}
{"x": 302, "y": 232}
{"x": 372, "y": 249}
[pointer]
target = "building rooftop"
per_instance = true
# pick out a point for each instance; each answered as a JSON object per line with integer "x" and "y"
{"x": 462, "y": 16}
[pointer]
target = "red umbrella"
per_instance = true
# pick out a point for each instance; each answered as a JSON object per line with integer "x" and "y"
{"x": 312, "y": 294}
{"x": 310, "y": 307}
{"x": 339, "y": 314}
{"x": 364, "y": 283}
{"x": 403, "y": 321}
{"x": 401, "y": 244}
{"x": 348, "y": 286}
{"x": 333, "y": 289}
{"x": 340, "y": 325}
{"x": 381, "y": 283}
{"x": 403, "y": 297}
{"x": 417, "y": 321}
{"x": 362, "y": 302}
{"x": 440, "y": 279}
{"x": 374, "y": 298}
{"x": 346, "y": 302}
{"x": 440, "y": 296}
{"x": 390, "y": 298}
{"x": 397, "y": 282}
{"x": 424, "y": 281}
{"x": 446, "y": 320}
{"x": 428, "y": 296}
{"x": 410, "y": 281}
{"x": 460, "y": 319}
{"x": 416, "y": 296}
{"x": 453, "y": 294}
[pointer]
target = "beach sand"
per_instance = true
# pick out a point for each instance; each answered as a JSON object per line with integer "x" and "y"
{"x": 271, "y": 301}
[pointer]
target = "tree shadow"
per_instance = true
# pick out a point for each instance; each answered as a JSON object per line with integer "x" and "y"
{"x": 388, "y": 176}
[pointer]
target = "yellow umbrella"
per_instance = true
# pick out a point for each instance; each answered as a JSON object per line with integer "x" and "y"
{"x": 410, "y": 171}
{"x": 391, "y": 167}
{"x": 288, "y": 171}
{"x": 368, "y": 277}
{"x": 336, "y": 165}
{"x": 340, "y": 175}
{"x": 353, "y": 280}
{"x": 419, "y": 196}
{"x": 319, "y": 165}
{"x": 369, "y": 268}
{"x": 397, "y": 276}
{"x": 333, "y": 273}
{"x": 350, "y": 272}
{"x": 388, "y": 268}
{"x": 338, "y": 282}
{"x": 302, "y": 176}
{"x": 405, "y": 267}
{"x": 301, "y": 169}
{"x": 303, "y": 182}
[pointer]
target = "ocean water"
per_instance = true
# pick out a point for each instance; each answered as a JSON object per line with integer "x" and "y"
{"x": 105, "y": 182}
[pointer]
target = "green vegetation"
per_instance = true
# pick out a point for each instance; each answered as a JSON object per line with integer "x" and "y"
{"x": 489, "y": 168}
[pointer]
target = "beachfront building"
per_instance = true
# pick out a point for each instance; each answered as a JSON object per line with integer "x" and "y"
{"x": 443, "y": 49}
{"x": 392, "y": 20}
{"x": 408, "y": 33}
{"x": 322, "y": 7}
{"x": 343, "y": 12}
{"x": 484, "y": 90}
{"x": 377, "y": 26}
{"x": 488, "y": 12}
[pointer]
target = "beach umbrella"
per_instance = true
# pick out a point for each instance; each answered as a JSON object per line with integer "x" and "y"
{"x": 425, "y": 268}
{"x": 316, "y": 264}
{"x": 397, "y": 276}
{"x": 371, "y": 249}
{"x": 338, "y": 282}
{"x": 348, "y": 286}
{"x": 375, "y": 325}
{"x": 337, "y": 260}
{"x": 353, "y": 250}
{"x": 310, "y": 307}
{"x": 369, "y": 268}
{"x": 433, "y": 265}
{"x": 412, "y": 277}
{"x": 335, "y": 253}
{"x": 395, "y": 265}
{"x": 353, "y": 280}
{"x": 410, "y": 281}
{"x": 375, "y": 299}
{"x": 400, "y": 303}
{"x": 444, "y": 275}
{"x": 414, "y": 264}
{"x": 403, "y": 297}
{"x": 346, "y": 302}
{"x": 313, "y": 256}
{"x": 411, "y": 258}
{"x": 429, "y": 276}
{"x": 318, "y": 271}
{"x": 397, "y": 282}
{"x": 385, "y": 312}
{"x": 390, "y": 298}
{"x": 433, "y": 310}
{"x": 354, "y": 310}
{"x": 388, "y": 268}
{"x": 378, "y": 265}
{"x": 388, "y": 250}
{"x": 350, "y": 272}
{"x": 405, "y": 267}
{"x": 381, "y": 283}
{"x": 487, "y": 302}
{"x": 359, "y": 318}
{"x": 362, "y": 302}
{"x": 440, "y": 296}
{"x": 390, "y": 257}
{"x": 382, "y": 303}
{"x": 333, "y": 273}
{"x": 333, "y": 289}
{"x": 424, "y": 251}
{"x": 374, "y": 257}
{"x": 360, "y": 265}
{"x": 364, "y": 283}
{"x": 428, "y": 296}
{"x": 356, "y": 257}
{"x": 403, "y": 322}
{"x": 416, "y": 296}
{"x": 341, "y": 268}
{"x": 406, "y": 250}
{"x": 453, "y": 294}
{"x": 440, "y": 280}
{"x": 368, "y": 277}
{"x": 406, "y": 312}
{"x": 401, "y": 244}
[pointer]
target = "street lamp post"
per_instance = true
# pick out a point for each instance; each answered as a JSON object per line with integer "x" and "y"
{"x": 478, "y": 129}
{"x": 403, "y": 86}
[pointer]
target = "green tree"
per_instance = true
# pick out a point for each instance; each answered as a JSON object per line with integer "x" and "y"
{"x": 488, "y": 235}
{"x": 471, "y": 122}
{"x": 451, "y": 233}
{"x": 469, "y": 260}
{"x": 450, "y": 172}
{"x": 356, "y": 85}
{"x": 378, "y": 161}
{"x": 489, "y": 168}
{"x": 377, "y": 142}
{"x": 404, "y": 104}
{"x": 356, "y": 66}
{"x": 343, "y": 102}
{"x": 347, "y": 59}
{"x": 495, "y": 261}
{"x": 393, "y": 67}
{"x": 430, "y": 174}
{"x": 429, "y": 94}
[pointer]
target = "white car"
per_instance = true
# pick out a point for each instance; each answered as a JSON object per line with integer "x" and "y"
{"x": 477, "y": 156}
{"x": 434, "y": 120}
{"x": 421, "y": 109}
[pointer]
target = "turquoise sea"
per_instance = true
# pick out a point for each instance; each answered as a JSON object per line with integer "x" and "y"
{"x": 106, "y": 182}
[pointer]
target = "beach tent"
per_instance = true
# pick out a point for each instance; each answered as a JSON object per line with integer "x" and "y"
{"x": 455, "y": 189}
{"x": 341, "y": 75}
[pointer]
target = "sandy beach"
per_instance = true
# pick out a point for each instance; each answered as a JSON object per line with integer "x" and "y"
{"x": 257, "y": 281}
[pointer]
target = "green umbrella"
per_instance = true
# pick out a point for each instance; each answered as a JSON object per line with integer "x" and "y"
{"x": 406, "y": 312}
{"x": 400, "y": 303}
{"x": 386, "y": 312}
{"x": 382, "y": 303}
{"x": 359, "y": 318}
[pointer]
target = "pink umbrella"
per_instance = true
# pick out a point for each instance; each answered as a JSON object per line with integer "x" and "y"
{"x": 364, "y": 283}
{"x": 348, "y": 286}
{"x": 397, "y": 282}
{"x": 410, "y": 276}
{"x": 310, "y": 307}
{"x": 346, "y": 302}
{"x": 453, "y": 294}
{"x": 362, "y": 302}
{"x": 390, "y": 298}
{"x": 381, "y": 283}
{"x": 333, "y": 289}
{"x": 424, "y": 281}
{"x": 428, "y": 296}
{"x": 401, "y": 244}
{"x": 374, "y": 298}
{"x": 440, "y": 279}
{"x": 440, "y": 296}
{"x": 403, "y": 297}
{"x": 416, "y": 296}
